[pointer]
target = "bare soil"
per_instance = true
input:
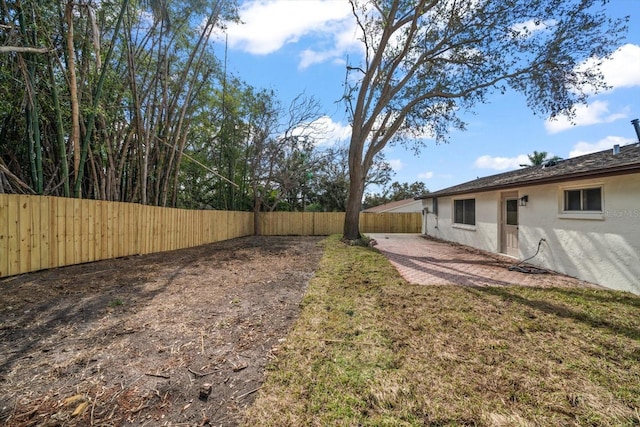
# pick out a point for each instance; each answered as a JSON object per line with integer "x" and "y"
{"x": 177, "y": 338}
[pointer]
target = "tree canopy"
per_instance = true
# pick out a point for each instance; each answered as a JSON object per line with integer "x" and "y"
{"x": 427, "y": 61}
{"x": 127, "y": 101}
{"x": 395, "y": 192}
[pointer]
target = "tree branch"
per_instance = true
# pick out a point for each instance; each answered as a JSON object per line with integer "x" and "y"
{"x": 21, "y": 49}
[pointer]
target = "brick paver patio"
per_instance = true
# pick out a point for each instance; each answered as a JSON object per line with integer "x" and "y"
{"x": 429, "y": 262}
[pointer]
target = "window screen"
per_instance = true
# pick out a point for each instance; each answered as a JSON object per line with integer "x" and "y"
{"x": 587, "y": 199}
{"x": 464, "y": 211}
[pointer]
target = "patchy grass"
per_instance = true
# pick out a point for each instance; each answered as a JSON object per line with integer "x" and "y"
{"x": 371, "y": 350}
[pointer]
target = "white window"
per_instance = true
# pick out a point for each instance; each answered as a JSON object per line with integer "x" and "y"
{"x": 585, "y": 202}
{"x": 464, "y": 211}
{"x": 583, "y": 199}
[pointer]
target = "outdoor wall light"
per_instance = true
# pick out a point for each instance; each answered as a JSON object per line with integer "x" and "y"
{"x": 524, "y": 200}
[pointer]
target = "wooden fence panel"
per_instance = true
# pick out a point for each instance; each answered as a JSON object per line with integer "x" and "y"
{"x": 52, "y": 233}
{"x": 244, "y": 223}
{"x": 35, "y": 242}
{"x": 24, "y": 233}
{"x": 44, "y": 232}
{"x": 326, "y": 223}
{"x": 4, "y": 231}
{"x": 13, "y": 236}
{"x": 229, "y": 226}
{"x": 386, "y": 222}
{"x": 287, "y": 223}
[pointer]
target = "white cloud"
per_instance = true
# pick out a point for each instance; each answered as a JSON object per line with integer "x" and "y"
{"x": 268, "y": 25}
{"x": 620, "y": 69}
{"x": 501, "y": 163}
{"x": 345, "y": 39}
{"x": 585, "y": 115}
{"x": 310, "y": 57}
{"x": 582, "y": 148}
{"x": 396, "y": 164}
{"x": 332, "y": 132}
{"x": 425, "y": 175}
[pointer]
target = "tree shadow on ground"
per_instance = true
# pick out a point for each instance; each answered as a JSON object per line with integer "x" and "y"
{"x": 589, "y": 318}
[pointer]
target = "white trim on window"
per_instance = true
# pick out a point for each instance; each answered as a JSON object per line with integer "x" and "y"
{"x": 463, "y": 226}
{"x": 467, "y": 216}
{"x": 583, "y": 214}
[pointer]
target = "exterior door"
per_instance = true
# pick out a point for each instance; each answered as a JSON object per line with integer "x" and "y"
{"x": 509, "y": 227}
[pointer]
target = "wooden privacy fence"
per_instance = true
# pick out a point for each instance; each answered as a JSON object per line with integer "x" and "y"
{"x": 43, "y": 232}
{"x": 39, "y": 232}
{"x": 325, "y": 223}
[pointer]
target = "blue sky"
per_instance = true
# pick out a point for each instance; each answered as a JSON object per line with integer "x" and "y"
{"x": 295, "y": 46}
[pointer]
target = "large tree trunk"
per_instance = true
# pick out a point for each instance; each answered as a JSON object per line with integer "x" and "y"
{"x": 257, "y": 225}
{"x": 357, "y": 176}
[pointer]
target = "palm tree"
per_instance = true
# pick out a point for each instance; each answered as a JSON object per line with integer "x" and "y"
{"x": 538, "y": 158}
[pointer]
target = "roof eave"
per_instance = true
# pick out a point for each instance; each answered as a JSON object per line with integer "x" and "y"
{"x": 621, "y": 170}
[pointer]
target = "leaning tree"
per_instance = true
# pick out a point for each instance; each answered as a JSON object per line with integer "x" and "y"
{"x": 426, "y": 61}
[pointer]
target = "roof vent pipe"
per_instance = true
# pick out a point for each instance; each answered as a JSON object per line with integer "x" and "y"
{"x": 616, "y": 149}
{"x": 636, "y": 125}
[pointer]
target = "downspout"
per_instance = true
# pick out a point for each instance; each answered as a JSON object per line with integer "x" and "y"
{"x": 425, "y": 228}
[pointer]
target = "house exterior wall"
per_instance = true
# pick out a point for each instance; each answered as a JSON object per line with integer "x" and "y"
{"x": 415, "y": 206}
{"x": 599, "y": 248}
{"x": 484, "y": 235}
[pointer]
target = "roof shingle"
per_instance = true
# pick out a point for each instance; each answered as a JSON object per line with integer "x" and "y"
{"x": 590, "y": 165}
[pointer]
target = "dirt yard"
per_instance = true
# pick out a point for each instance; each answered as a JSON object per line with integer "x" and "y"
{"x": 178, "y": 339}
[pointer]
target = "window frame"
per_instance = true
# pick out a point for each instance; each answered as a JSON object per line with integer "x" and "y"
{"x": 582, "y": 199}
{"x": 465, "y": 213}
{"x": 563, "y": 209}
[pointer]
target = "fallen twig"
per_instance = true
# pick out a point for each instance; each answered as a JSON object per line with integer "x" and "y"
{"x": 203, "y": 374}
{"x": 238, "y": 368}
{"x": 327, "y": 340}
{"x": 139, "y": 408}
{"x": 166, "y": 377}
{"x": 248, "y": 393}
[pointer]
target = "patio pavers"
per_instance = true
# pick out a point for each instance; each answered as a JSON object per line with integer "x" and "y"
{"x": 425, "y": 261}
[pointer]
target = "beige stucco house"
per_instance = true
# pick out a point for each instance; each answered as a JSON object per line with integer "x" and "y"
{"x": 581, "y": 216}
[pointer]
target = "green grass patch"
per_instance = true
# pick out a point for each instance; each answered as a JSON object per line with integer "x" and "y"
{"x": 115, "y": 303}
{"x": 370, "y": 349}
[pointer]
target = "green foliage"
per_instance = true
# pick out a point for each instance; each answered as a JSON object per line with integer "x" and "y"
{"x": 537, "y": 158}
{"x": 133, "y": 117}
{"x": 161, "y": 122}
{"x": 395, "y": 192}
{"x": 330, "y": 181}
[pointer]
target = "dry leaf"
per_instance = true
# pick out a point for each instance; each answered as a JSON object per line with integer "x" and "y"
{"x": 72, "y": 399}
{"x": 80, "y": 409}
